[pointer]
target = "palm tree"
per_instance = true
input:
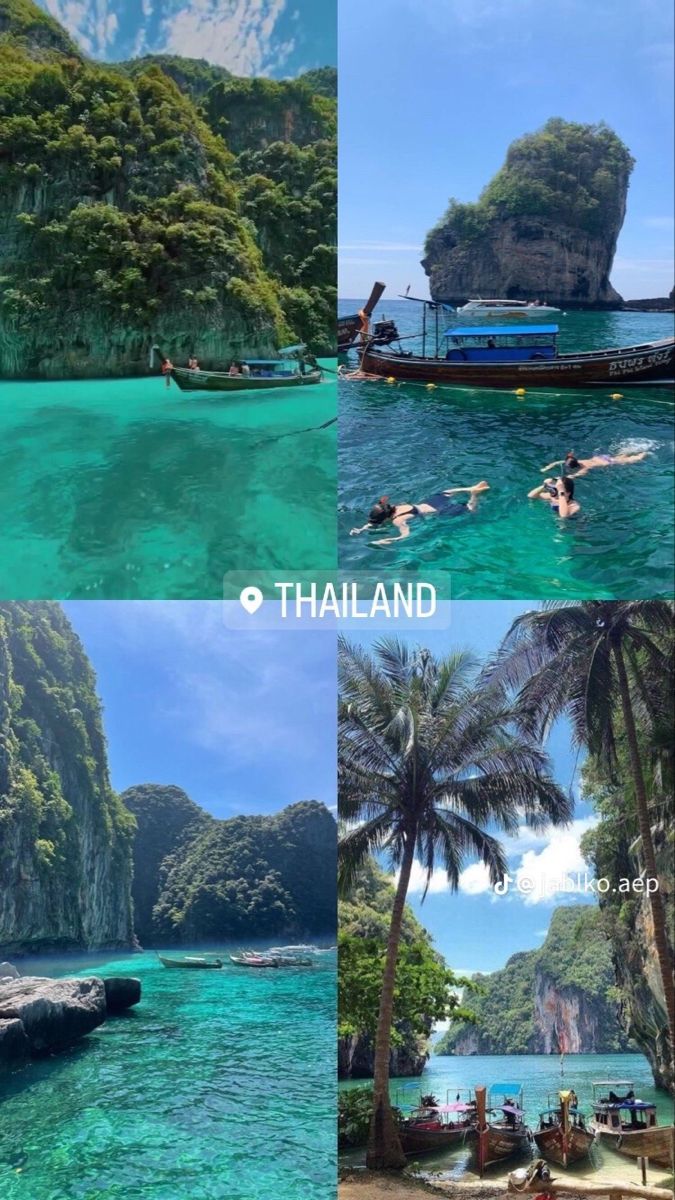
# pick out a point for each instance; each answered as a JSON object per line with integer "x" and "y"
{"x": 425, "y": 761}
{"x": 592, "y": 661}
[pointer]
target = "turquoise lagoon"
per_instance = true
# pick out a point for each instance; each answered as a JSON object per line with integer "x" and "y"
{"x": 220, "y": 1085}
{"x": 124, "y": 489}
{"x": 407, "y": 442}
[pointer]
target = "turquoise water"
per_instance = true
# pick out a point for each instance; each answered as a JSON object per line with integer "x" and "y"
{"x": 219, "y": 1085}
{"x": 123, "y": 489}
{"x": 406, "y": 442}
{"x": 539, "y": 1076}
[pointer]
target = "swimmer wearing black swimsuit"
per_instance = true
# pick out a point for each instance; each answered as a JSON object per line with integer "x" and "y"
{"x": 440, "y": 504}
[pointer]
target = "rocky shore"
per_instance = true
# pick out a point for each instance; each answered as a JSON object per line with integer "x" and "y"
{"x": 42, "y": 1016}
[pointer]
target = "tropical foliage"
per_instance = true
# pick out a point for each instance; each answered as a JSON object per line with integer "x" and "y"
{"x": 567, "y": 174}
{"x": 575, "y": 959}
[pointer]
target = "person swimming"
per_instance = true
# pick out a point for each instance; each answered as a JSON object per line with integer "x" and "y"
{"x": 559, "y": 493}
{"x": 441, "y": 503}
{"x": 581, "y": 466}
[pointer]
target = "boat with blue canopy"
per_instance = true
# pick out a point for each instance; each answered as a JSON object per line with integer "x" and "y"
{"x": 562, "y": 1136}
{"x": 630, "y": 1125}
{"x": 499, "y": 356}
{"x": 292, "y": 368}
{"x": 502, "y": 1130}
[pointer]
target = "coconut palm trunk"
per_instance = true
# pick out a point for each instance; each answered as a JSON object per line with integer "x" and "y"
{"x": 644, "y": 824}
{"x": 384, "y": 1147}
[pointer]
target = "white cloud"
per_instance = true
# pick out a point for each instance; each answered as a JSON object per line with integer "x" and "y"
{"x": 547, "y": 875}
{"x": 475, "y": 880}
{"x": 93, "y": 25}
{"x": 418, "y": 880}
{"x": 237, "y": 34}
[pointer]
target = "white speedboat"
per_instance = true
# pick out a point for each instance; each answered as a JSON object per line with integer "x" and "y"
{"x": 506, "y": 308}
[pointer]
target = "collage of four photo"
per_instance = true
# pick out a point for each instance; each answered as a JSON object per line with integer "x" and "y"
{"x": 333, "y": 868}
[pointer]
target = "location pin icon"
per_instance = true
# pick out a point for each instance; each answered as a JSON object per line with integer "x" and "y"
{"x": 251, "y": 598}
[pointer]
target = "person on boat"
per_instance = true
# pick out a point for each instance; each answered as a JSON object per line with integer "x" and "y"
{"x": 491, "y": 344}
{"x": 245, "y": 369}
{"x": 167, "y": 368}
{"x": 235, "y": 368}
{"x": 193, "y": 365}
{"x": 559, "y": 493}
{"x": 574, "y": 1100}
{"x": 400, "y": 515}
{"x": 581, "y": 466}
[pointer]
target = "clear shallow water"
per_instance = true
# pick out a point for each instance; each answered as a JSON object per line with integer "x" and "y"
{"x": 124, "y": 489}
{"x": 409, "y": 443}
{"x": 220, "y": 1085}
{"x": 539, "y": 1076}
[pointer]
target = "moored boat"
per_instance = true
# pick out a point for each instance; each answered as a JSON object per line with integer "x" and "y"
{"x": 520, "y": 356}
{"x": 289, "y": 369}
{"x": 630, "y": 1125}
{"x": 562, "y": 1136}
{"x": 506, "y": 308}
{"x": 255, "y": 960}
{"x": 192, "y": 963}
{"x": 432, "y": 1127}
{"x": 500, "y": 1136}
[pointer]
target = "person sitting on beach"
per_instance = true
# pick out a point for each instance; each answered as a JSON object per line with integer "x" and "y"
{"x": 193, "y": 365}
{"x": 581, "y": 466}
{"x": 401, "y": 514}
{"x": 559, "y": 493}
{"x": 167, "y": 368}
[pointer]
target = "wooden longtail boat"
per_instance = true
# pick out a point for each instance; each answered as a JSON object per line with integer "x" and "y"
{"x": 194, "y": 964}
{"x": 258, "y": 375}
{"x": 630, "y": 1125}
{"x": 500, "y": 1137}
{"x": 431, "y": 1128}
{"x": 519, "y": 356}
{"x": 562, "y": 1136}
{"x": 349, "y": 328}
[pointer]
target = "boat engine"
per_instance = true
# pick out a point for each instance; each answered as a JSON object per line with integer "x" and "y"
{"x": 383, "y": 332}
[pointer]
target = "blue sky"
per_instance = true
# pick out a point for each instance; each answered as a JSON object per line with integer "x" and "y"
{"x": 279, "y": 38}
{"x": 432, "y": 94}
{"x": 245, "y": 723}
{"x": 473, "y": 928}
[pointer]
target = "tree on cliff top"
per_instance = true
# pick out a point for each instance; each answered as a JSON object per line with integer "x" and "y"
{"x": 426, "y": 760}
{"x": 566, "y": 173}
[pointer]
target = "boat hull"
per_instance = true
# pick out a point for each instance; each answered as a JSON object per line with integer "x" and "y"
{"x": 657, "y": 1144}
{"x": 651, "y": 363}
{"x": 496, "y": 1143}
{"x": 433, "y": 1141}
{"x": 564, "y": 1148}
{"x": 220, "y": 381}
{"x": 191, "y": 966}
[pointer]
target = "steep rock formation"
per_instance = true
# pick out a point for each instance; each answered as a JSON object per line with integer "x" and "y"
{"x": 545, "y": 227}
{"x": 164, "y": 814}
{"x": 123, "y": 218}
{"x": 65, "y": 839}
{"x": 203, "y": 879}
{"x": 356, "y": 1054}
{"x": 560, "y": 997}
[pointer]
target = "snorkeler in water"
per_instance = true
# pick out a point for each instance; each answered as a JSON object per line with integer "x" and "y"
{"x": 559, "y": 493}
{"x": 441, "y": 503}
{"x": 581, "y": 466}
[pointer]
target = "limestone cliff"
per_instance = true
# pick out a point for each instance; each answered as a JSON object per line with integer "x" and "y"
{"x": 200, "y": 879}
{"x": 126, "y": 219}
{"x": 560, "y": 997}
{"x": 545, "y": 227}
{"x": 65, "y": 853}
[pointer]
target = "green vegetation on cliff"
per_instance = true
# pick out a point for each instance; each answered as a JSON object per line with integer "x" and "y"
{"x": 426, "y": 990}
{"x": 574, "y": 965}
{"x": 157, "y": 197}
{"x": 566, "y": 174}
{"x": 242, "y": 878}
{"x": 65, "y": 837}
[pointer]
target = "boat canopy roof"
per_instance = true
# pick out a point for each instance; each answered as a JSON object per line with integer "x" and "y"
{"x": 446, "y": 1108}
{"x": 500, "y": 330}
{"x": 634, "y": 1105}
{"x": 266, "y": 362}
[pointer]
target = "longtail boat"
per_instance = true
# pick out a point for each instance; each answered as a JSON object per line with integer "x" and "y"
{"x": 259, "y": 961}
{"x": 630, "y": 1125}
{"x": 562, "y": 1136}
{"x": 432, "y": 1127}
{"x": 192, "y": 963}
{"x": 351, "y": 327}
{"x": 516, "y": 356}
{"x": 289, "y": 369}
{"x": 500, "y": 1136}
